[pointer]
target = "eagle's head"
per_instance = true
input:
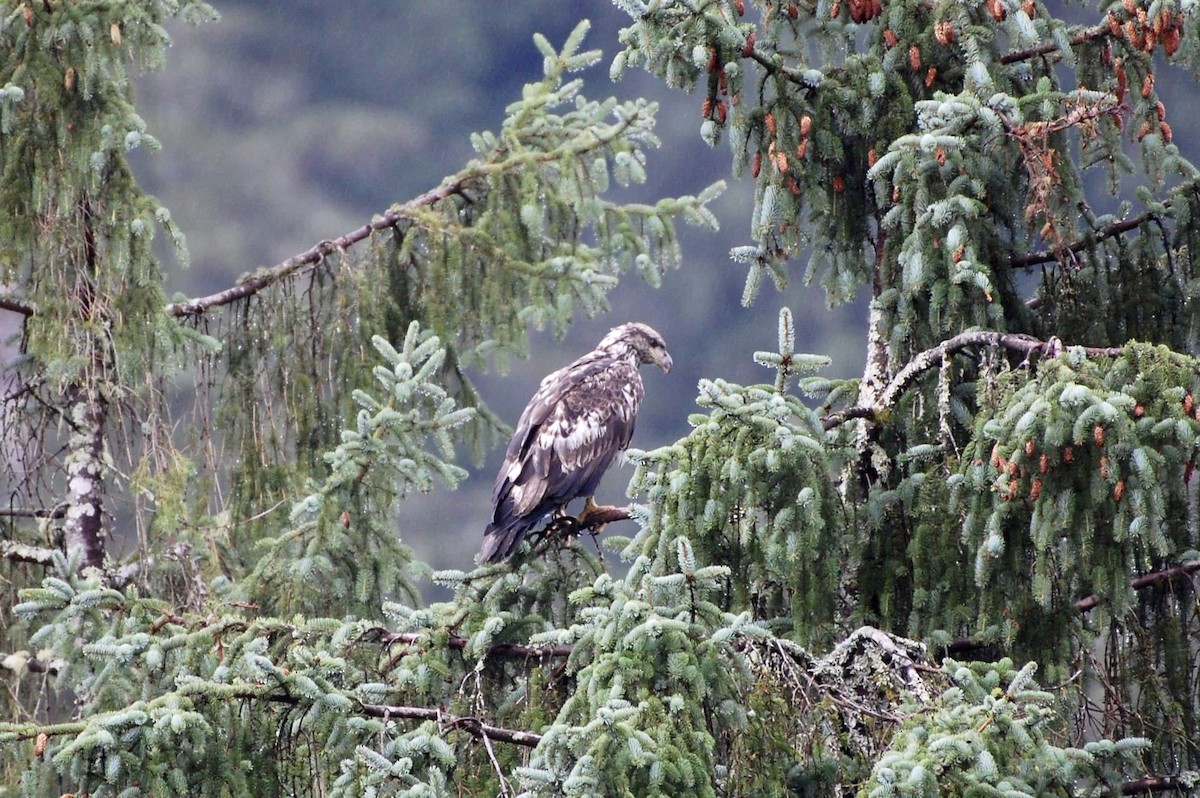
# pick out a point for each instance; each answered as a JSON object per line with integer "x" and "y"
{"x": 640, "y": 341}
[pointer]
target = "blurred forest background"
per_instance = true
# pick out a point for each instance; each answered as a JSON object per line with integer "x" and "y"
{"x": 295, "y": 121}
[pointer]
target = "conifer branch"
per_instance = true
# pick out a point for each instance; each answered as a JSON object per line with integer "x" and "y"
{"x": 471, "y": 725}
{"x": 931, "y": 358}
{"x": 265, "y": 278}
{"x": 1088, "y": 603}
{"x": 774, "y": 67}
{"x": 1088, "y": 34}
{"x": 313, "y": 255}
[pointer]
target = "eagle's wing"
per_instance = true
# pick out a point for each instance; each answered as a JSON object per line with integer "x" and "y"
{"x": 579, "y": 419}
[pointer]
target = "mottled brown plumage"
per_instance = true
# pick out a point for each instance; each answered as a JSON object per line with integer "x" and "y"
{"x": 581, "y": 417}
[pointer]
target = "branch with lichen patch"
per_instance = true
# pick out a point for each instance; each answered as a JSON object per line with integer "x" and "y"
{"x": 23, "y": 552}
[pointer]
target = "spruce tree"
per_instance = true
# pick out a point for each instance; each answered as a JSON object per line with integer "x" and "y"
{"x": 969, "y": 572}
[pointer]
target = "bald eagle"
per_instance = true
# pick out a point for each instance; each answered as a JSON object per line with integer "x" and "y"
{"x": 572, "y": 428}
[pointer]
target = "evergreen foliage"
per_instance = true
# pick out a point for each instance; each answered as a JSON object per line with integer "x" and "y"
{"x": 1011, "y": 479}
{"x": 986, "y": 736}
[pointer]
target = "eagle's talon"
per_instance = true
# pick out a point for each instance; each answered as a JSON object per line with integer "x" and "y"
{"x": 590, "y": 509}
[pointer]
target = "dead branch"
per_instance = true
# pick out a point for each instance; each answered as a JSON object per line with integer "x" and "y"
{"x": 930, "y": 358}
{"x": 1108, "y": 231}
{"x": 1143, "y": 581}
{"x": 17, "y": 306}
{"x": 472, "y": 726}
{"x": 1152, "y": 784}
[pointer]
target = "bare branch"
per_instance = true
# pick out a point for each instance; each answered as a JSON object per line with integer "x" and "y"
{"x": 931, "y": 358}
{"x": 34, "y": 512}
{"x": 1143, "y": 581}
{"x": 1108, "y": 231}
{"x": 472, "y": 726}
{"x": 602, "y": 516}
{"x": 17, "y": 306}
{"x": 459, "y": 643}
{"x": 1152, "y": 784}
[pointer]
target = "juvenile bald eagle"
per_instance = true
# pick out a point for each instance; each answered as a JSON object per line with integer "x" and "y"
{"x": 572, "y": 428}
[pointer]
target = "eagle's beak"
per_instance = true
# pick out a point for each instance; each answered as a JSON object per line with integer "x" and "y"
{"x": 664, "y": 362}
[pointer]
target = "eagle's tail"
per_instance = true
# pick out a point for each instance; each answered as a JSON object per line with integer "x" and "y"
{"x": 501, "y": 540}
